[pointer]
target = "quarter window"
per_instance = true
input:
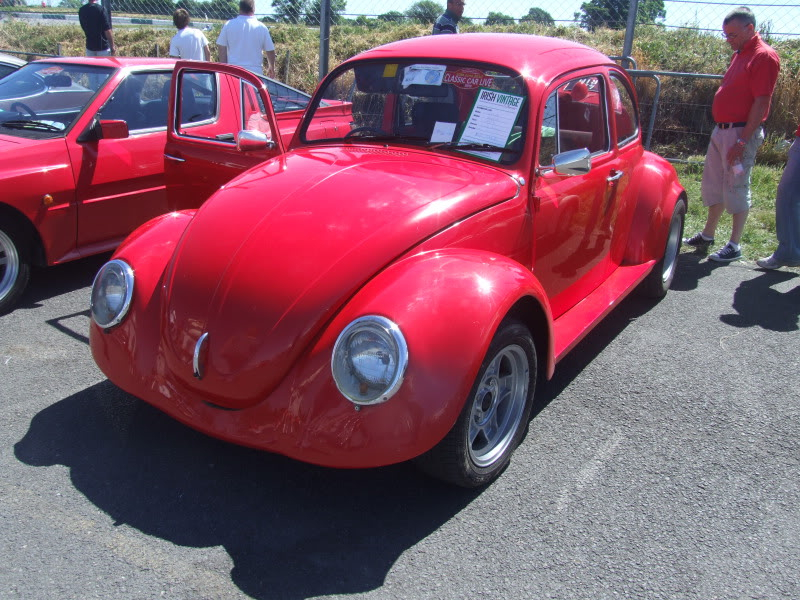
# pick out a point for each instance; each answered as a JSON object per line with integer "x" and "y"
{"x": 624, "y": 110}
{"x": 574, "y": 118}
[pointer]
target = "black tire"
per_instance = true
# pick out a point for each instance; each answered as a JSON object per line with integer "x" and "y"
{"x": 656, "y": 284}
{"x": 473, "y": 453}
{"x": 15, "y": 265}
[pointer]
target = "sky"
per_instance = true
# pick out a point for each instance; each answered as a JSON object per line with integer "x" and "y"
{"x": 784, "y": 14}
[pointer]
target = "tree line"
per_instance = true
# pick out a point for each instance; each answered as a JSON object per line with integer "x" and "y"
{"x": 593, "y": 14}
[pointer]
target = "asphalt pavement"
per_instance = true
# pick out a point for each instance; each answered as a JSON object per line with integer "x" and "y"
{"x": 662, "y": 462}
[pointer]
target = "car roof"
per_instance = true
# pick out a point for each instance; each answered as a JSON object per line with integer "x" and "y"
{"x": 11, "y": 60}
{"x": 112, "y": 61}
{"x": 542, "y": 57}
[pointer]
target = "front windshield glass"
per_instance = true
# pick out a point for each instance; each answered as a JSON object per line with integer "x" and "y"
{"x": 47, "y": 97}
{"x": 444, "y": 106}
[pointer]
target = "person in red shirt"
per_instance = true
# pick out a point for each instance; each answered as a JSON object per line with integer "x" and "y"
{"x": 787, "y": 214}
{"x": 740, "y": 106}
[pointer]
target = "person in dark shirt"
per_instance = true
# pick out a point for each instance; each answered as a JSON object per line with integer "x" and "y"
{"x": 448, "y": 21}
{"x": 97, "y": 29}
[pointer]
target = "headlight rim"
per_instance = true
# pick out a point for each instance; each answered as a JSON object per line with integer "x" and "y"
{"x": 127, "y": 273}
{"x": 388, "y": 327}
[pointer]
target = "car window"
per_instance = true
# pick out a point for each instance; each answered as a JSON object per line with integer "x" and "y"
{"x": 45, "y": 98}
{"x": 443, "y": 105}
{"x": 140, "y": 100}
{"x": 254, "y": 113}
{"x": 203, "y": 117}
{"x": 285, "y": 98}
{"x": 623, "y": 107}
{"x": 574, "y": 118}
{"x": 6, "y": 69}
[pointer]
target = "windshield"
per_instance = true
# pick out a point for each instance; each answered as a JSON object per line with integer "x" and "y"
{"x": 47, "y": 97}
{"x": 450, "y": 106}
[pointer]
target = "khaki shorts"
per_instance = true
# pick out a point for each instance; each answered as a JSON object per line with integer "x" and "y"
{"x": 721, "y": 184}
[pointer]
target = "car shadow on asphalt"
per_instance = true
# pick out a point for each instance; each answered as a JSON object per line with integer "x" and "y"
{"x": 758, "y": 304}
{"x": 292, "y": 530}
{"x": 49, "y": 282}
{"x": 693, "y": 265}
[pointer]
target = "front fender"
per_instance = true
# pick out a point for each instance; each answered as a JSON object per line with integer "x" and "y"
{"x": 658, "y": 191}
{"x": 448, "y": 306}
{"x": 148, "y": 251}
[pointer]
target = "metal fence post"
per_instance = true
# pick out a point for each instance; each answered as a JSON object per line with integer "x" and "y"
{"x": 324, "y": 36}
{"x": 627, "y": 47}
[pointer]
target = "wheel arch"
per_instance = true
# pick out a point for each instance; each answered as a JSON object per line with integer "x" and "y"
{"x": 9, "y": 214}
{"x": 658, "y": 192}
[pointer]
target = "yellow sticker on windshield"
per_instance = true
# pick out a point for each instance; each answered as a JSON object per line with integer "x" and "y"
{"x": 390, "y": 70}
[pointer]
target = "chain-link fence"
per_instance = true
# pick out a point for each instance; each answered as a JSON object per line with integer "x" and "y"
{"x": 781, "y": 19}
{"x": 668, "y": 38}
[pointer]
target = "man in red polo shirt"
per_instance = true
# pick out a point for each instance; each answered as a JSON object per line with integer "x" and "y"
{"x": 740, "y": 106}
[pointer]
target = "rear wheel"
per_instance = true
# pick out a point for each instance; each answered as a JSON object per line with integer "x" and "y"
{"x": 660, "y": 278}
{"x": 494, "y": 418}
{"x": 15, "y": 266}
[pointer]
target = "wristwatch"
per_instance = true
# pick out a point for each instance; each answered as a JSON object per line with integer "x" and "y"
{"x": 741, "y": 143}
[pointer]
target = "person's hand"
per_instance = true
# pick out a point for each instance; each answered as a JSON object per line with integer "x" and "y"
{"x": 271, "y": 72}
{"x": 735, "y": 154}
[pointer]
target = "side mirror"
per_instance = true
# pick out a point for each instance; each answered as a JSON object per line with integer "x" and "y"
{"x": 573, "y": 162}
{"x": 249, "y": 140}
{"x": 113, "y": 129}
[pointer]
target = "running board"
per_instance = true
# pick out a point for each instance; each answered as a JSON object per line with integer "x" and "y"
{"x": 571, "y": 327}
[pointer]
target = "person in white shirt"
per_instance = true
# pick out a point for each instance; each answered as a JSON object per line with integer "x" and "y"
{"x": 189, "y": 43}
{"x": 242, "y": 40}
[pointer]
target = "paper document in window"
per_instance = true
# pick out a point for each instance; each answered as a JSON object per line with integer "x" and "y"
{"x": 492, "y": 120}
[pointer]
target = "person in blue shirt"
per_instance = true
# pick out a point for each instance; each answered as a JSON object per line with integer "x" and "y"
{"x": 448, "y": 22}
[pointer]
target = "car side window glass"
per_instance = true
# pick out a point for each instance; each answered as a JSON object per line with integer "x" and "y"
{"x": 581, "y": 111}
{"x": 254, "y": 113}
{"x": 140, "y": 100}
{"x": 624, "y": 110}
{"x": 198, "y": 106}
{"x": 548, "y": 146}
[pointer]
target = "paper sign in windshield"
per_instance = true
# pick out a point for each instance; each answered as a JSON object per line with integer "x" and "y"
{"x": 423, "y": 75}
{"x": 491, "y": 120}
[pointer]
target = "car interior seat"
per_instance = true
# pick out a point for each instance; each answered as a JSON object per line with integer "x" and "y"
{"x": 424, "y": 116}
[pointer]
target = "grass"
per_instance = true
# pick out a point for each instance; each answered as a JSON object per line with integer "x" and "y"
{"x": 758, "y": 239}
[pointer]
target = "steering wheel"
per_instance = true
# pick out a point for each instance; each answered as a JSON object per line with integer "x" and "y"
{"x": 359, "y": 130}
{"x": 17, "y": 105}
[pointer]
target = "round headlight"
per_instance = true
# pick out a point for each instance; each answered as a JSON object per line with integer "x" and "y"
{"x": 112, "y": 291}
{"x": 369, "y": 360}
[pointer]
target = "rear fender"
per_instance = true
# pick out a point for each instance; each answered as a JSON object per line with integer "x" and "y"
{"x": 448, "y": 306}
{"x": 658, "y": 192}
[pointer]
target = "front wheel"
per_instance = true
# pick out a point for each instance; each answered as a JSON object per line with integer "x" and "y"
{"x": 495, "y": 416}
{"x": 15, "y": 266}
{"x": 660, "y": 278}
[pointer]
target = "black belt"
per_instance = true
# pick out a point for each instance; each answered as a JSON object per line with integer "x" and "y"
{"x": 729, "y": 125}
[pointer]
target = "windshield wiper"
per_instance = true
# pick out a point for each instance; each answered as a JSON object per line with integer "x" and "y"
{"x": 471, "y": 146}
{"x": 35, "y": 125}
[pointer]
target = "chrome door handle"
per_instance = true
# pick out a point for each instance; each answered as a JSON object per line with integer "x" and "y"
{"x": 175, "y": 158}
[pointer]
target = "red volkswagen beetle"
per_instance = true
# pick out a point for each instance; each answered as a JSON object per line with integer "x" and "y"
{"x": 394, "y": 286}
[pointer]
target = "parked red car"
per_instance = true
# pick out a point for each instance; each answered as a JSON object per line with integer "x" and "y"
{"x": 82, "y": 155}
{"x": 394, "y": 288}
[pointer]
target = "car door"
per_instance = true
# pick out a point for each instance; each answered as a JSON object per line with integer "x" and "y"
{"x": 119, "y": 182}
{"x": 576, "y": 213}
{"x": 237, "y": 131}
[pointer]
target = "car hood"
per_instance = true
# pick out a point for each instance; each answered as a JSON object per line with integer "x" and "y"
{"x": 261, "y": 274}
